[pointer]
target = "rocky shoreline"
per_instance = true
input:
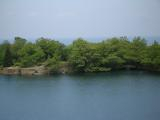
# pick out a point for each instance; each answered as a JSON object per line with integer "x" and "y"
{"x": 36, "y": 70}
{"x": 40, "y": 70}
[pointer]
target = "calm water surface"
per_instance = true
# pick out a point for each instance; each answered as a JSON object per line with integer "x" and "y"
{"x": 123, "y": 95}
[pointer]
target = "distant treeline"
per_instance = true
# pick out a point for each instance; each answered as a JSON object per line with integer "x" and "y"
{"x": 81, "y": 55}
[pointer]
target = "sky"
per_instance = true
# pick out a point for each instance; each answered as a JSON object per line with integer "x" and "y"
{"x": 79, "y": 18}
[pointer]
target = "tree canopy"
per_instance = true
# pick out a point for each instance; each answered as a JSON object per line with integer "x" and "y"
{"x": 81, "y": 55}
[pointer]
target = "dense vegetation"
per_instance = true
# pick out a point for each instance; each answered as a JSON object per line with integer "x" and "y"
{"x": 81, "y": 55}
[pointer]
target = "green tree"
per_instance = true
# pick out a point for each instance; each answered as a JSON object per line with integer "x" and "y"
{"x": 1, "y": 54}
{"x": 53, "y": 64}
{"x": 113, "y": 52}
{"x": 16, "y": 47}
{"x": 51, "y": 48}
{"x": 79, "y": 55}
{"x": 30, "y": 55}
{"x": 85, "y": 57}
{"x": 7, "y": 61}
{"x": 136, "y": 52}
{"x": 152, "y": 56}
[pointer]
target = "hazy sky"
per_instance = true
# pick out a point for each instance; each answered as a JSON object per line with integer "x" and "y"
{"x": 79, "y": 18}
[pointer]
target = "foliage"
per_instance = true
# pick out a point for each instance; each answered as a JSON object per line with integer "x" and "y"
{"x": 7, "y": 60}
{"x": 17, "y": 46}
{"x": 30, "y": 55}
{"x": 81, "y": 55}
{"x": 136, "y": 52}
{"x": 52, "y": 64}
{"x": 152, "y": 56}
{"x": 51, "y": 48}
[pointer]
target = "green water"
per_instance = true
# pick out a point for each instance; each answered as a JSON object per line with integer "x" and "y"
{"x": 123, "y": 95}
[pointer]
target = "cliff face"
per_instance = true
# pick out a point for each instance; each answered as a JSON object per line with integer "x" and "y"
{"x": 24, "y": 71}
